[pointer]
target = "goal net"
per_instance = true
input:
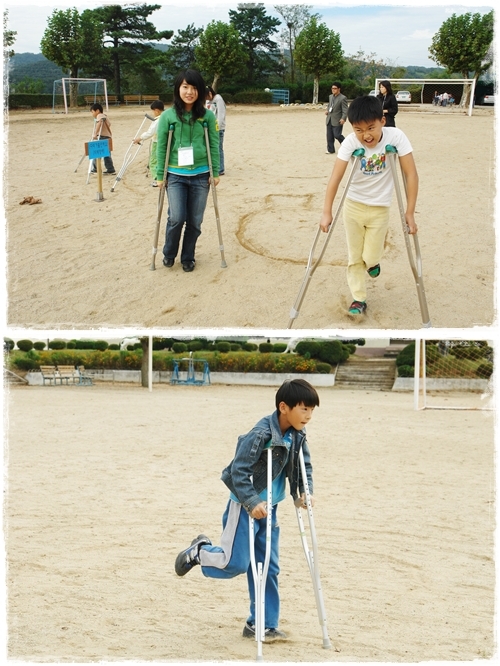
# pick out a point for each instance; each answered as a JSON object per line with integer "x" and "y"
{"x": 70, "y": 93}
{"x": 450, "y": 374}
{"x": 427, "y": 91}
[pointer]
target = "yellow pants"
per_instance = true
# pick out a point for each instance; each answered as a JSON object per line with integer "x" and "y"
{"x": 366, "y": 228}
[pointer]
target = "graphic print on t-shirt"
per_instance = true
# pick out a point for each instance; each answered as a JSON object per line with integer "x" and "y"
{"x": 374, "y": 165}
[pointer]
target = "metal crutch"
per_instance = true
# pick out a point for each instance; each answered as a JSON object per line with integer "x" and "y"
{"x": 129, "y": 158}
{"x": 214, "y": 195}
{"x": 161, "y": 199}
{"x": 415, "y": 262}
{"x": 312, "y": 556}
{"x": 84, "y": 154}
{"x": 312, "y": 266}
{"x": 260, "y": 570}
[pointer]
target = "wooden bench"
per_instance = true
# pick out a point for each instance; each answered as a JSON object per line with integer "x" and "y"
{"x": 132, "y": 99}
{"x": 66, "y": 373}
{"x": 83, "y": 378}
{"x": 113, "y": 99}
{"x": 149, "y": 98}
{"x": 91, "y": 99}
{"x": 48, "y": 373}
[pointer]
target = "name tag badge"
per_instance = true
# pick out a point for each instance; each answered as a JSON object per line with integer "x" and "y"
{"x": 185, "y": 156}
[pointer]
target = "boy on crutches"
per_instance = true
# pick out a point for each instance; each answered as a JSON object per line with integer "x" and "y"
{"x": 366, "y": 207}
{"x": 246, "y": 478}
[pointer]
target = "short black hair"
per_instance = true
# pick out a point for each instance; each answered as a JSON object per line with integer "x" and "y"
{"x": 365, "y": 109}
{"x": 211, "y": 91}
{"x": 157, "y": 104}
{"x": 337, "y": 85}
{"x": 96, "y": 107}
{"x": 296, "y": 392}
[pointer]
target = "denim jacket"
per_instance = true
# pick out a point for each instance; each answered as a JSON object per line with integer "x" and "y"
{"x": 250, "y": 460}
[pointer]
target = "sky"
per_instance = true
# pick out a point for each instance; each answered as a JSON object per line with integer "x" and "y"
{"x": 398, "y": 33}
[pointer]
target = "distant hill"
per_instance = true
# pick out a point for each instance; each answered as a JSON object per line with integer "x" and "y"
{"x": 34, "y": 66}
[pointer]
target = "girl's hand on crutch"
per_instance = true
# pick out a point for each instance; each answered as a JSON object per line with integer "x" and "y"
{"x": 411, "y": 224}
{"x": 325, "y": 222}
{"x": 301, "y": 503}
{"x": 259, "y": 511}
{"x": 216, "y": 181}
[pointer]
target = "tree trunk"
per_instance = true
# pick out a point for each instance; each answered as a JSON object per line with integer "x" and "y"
{"x": 315, "y": 89}
{"x": 73, "y": 88}
{"x": 145, "y": 362}
{"x": 116, "y": 70}
{"x": 215, "y": 81}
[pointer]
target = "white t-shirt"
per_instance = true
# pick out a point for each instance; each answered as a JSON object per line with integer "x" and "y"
{"x": 372, "y": 182}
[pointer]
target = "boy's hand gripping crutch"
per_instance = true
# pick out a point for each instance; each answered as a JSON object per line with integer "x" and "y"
{"x": 260, "y": 570}
{"x": 129, "y": 157}
{"x": 161, "y": 198}
{"x": 214, "y": 195}
{"x": 312, "y": 265}
{"x": 415, "y": 262}
{"x": 311, "y": 556}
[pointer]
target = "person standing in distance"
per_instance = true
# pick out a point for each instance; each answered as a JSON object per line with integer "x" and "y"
{"x": 389, "y": 103}
{"x": 217, "y": 105}
{"x": 336, "y": 115}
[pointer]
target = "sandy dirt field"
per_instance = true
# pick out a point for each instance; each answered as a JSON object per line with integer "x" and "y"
{"x": 76, "y": 262}
{"x": 102, "y": 493}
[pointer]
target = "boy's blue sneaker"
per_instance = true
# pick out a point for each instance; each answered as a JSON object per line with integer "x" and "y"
{"x": 271, "y": 634}
{"x": 374, "y": 271}
{"x": 357, "y": 308}
{"x": 190, "y": 557}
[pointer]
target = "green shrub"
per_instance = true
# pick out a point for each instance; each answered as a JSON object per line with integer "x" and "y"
{"x": 279, "y": 347}
{"x": 25, "y": 345}
{"x": 8, "y": 344}
{"x": 332, "y": 351}
{"x": 26, "y": 363}
{"x": 467, "y": 350}
{"x": 253, "y": 97}
{"x": 195, "y": 345}
{"x": 39, "y": 346}
{"x": 29, "y": 100}
{"x": 310, "y": 347}
{"x": 249, "y": 346}
{"x": 179, "y": 347}
{"x": 84, "y": 344}
{"x": 323, "y": 368}
{"x": 406, "y": 371}
{"x": 406, "y": 356}
{"x": 70, "y": 344}
{"x": 57, "y": 344}
{"x": 432, "y": 353}
{"x": 234, "y": 346}
{"x": 265, "y": 347}
{"x": 223, "y": 346}
{"x": 484, "y": 370}
{"x": 350, "y": 347}
{"x": 101, "y": 345}
{"x": 113, "y": 346}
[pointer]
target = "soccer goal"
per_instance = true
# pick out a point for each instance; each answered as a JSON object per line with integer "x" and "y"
{"x": 67, "y": 92}
{"x": 453, "y": 374}
{"x": 460, "y": 90}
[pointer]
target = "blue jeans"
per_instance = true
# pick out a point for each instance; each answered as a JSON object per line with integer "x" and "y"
{"x": 232, "y": 557}
{"x": 221, "y": 150}
{"x": 187, "y": 200}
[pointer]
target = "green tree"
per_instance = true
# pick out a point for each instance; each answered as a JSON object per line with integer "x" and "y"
{"x": 220, "y": 52}
{"x": 256, "y": 27}
{"x": 127, "y": 37}
{"x": 28, "y": 85}
{"x": 318, "y": 50}
{"x": 366, "y": 67}
{"x": 463, "y": 45}
{"x": 9, "y": 37}
{"x": 72, "y": 41}
{"x": 181, "y": 54}
{"x": 294, "y": 18}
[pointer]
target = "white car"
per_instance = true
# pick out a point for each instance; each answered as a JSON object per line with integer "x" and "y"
{"x": 489, "y": 99}
{"x": 373, "y": 93}
{"x": 403, "y": 96}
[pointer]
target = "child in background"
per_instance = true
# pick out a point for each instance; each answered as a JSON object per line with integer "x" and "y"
{"x": 102, "y": 130}
{"x": 157, "y": 107}
{"x": 187, "y": 176}
{"x": 366, "y": 207}
{"x": 246, "y": 478}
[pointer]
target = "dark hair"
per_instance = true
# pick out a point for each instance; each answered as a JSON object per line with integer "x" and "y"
{"x": 96, "y": 107}
{"x": 157, "y": 104}
{"x": 387, "y": 86}
{"x": 364, "y": 109}
{"x": 295, "y": 392}
{"x": 211, "y": 91}
{"x": 193, "y": 78}
{"x": 337, "y": 85}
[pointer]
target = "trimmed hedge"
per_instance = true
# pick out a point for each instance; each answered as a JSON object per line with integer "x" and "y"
{"x": 253, "y": 97}
{"x": 57, "y": 344}
{"x": 406, "y": 356}
{"x": 25, "y": 345}
{"x": 406, "y": 371}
